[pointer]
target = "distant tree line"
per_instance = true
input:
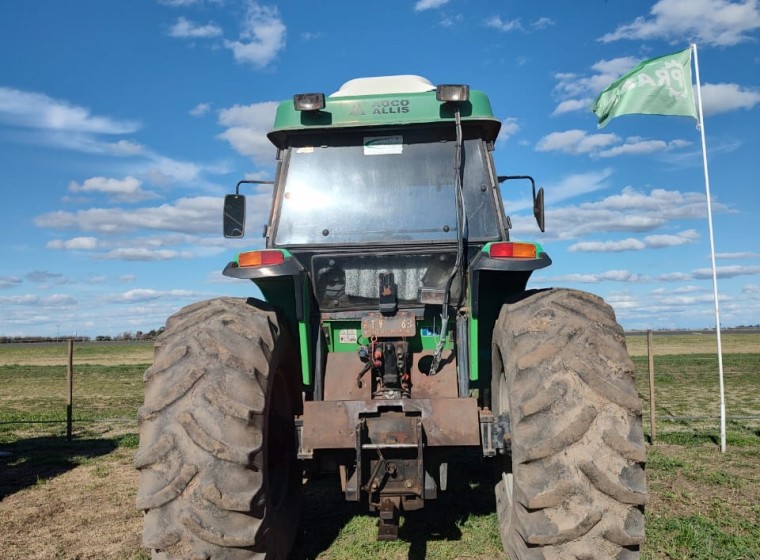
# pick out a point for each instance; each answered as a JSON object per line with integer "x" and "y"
{"x": 128, "y": 335}
{"x": 125, "y": 336}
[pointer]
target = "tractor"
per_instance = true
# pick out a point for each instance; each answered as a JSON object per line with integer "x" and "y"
{"x": 394, "y": 328}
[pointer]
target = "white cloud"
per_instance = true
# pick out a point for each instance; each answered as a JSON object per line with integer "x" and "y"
{"x": 575, "y": 142}
{"x": 509, "y": 127}
{"x": 577, "y": 91}
{"x": 40, "y": 119}
{"x": 124, "y": 148}
{"x": 27, "y": 299}
{"x": 7, "y": 282}
{"x": 570, "y": 85}
{"x": 726, "y": 271}
{"x": 423, "y": 5}
{"x": 578, "y": 184}
{"x": 36, "y": 110}
{"x": 742, "y": 255}
{"x": 143, "y": 295}
{"x": 629, "y": 211}
{"x": 53, "y": 300}
{"x": 638, "y": 146}
{"x": 495, "y": 22}
{"x": 74, "y": 244}
{"x": 710, "y": 22}
{"x": 162, "y": 170}
{"x": 570, "y": 105}
{"x": 630, "y": 244}
{"x": 722, "y": 98}
{"x": 200, "y": 214}
{"x": 247, "y": 128}
{"x": 145, "y": 254}
{"x": 609, "y": 276}
{"x": 200, "y": 109}
{"x": 179, "y": 3}
{"x": 707, "y": 273}
{"x": 688, "y": 290}
{"x": 312, "y": 35}
{"x": 59, "y": 300}
{"x": 635, "y": 244}
{"x": 542, "y": 23}
{"x": 186, "y": 29}
{"x": 128, "y": 189}
{"x": 44, "y": 277}
{"x": 579, "y": 142}
{"x": 450, "y": 20}
{"x": 661, "y": 241}
{"x": 675, "y": 277}
{"x": 262, "y": 36}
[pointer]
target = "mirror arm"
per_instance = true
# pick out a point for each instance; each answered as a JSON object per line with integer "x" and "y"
{"x": 538, "y": 201}
{"x": 502, "y": 178}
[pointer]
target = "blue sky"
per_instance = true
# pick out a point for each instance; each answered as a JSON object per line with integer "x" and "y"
{"x": 123, "y": 123}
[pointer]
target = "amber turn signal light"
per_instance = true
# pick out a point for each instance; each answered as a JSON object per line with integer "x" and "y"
{"x": 260, "y": 258}
{"x": 509, "y": 250}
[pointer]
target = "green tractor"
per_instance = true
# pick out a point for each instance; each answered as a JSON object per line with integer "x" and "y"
{"x": 396, "y": 329}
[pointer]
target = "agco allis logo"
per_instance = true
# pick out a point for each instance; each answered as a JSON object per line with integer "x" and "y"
{"x": 384, "y": 107}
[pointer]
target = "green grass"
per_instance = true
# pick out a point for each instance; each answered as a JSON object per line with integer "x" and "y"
{"x": 703, "y": 504}
{"x": 57, "y": 353}
{"x": 36, "y": 394}
{"x": 460, "y": 524}
{"x": 687, "y": 385}
{"x": 696, "y": 536}
{"x": 732, "y": 342}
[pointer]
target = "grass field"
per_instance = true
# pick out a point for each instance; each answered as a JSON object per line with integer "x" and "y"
{"x": 74, "y": 500}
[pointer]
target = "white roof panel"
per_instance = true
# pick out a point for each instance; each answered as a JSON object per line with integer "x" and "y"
{"x": 384, "y": 84}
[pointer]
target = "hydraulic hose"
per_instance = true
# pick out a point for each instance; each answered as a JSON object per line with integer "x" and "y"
{"x": 461, "y": 238}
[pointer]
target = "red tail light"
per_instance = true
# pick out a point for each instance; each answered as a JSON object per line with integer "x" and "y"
{"x": 509, "y": 250}
{"x": 260, "y": 258}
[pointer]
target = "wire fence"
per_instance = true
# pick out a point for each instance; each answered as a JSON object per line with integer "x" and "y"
{"x": 65, "y": 389}
{"x": 108, "y": 394}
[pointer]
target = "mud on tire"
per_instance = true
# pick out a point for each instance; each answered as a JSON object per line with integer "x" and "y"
{"x": 219, "y": 477}
{"x": 574, "y": 485}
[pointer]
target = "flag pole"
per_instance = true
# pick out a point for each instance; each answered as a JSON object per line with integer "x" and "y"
{"x": 712, "y": 255}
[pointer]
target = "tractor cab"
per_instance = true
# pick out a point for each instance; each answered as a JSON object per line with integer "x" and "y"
{"x": 386, "y": 221}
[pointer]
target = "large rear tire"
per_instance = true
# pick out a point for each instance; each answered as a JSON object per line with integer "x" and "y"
{"x": 573, "y": 485}
{"x": 219, "y": 477}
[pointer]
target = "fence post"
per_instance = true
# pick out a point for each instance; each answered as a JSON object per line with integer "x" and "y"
{"x": 652, "y": 423}
{"x": 70, "y": 384}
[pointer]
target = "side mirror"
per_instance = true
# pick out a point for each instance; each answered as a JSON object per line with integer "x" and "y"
{"x": 538, "y": 209}
{"x": 538, "y": 199}
{"x": 234, "y": 216}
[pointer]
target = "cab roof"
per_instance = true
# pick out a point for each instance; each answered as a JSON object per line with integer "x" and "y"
{"x": 382, "y": 102}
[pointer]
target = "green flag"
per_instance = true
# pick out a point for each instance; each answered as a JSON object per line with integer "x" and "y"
{"x": 660, "y": 86}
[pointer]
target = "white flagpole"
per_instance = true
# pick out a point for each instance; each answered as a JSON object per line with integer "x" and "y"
{"x": 712, "y": 256}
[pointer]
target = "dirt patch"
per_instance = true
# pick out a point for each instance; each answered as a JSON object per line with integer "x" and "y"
{"x": 85, "y": 513}
{"x": 685, "y": 481}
